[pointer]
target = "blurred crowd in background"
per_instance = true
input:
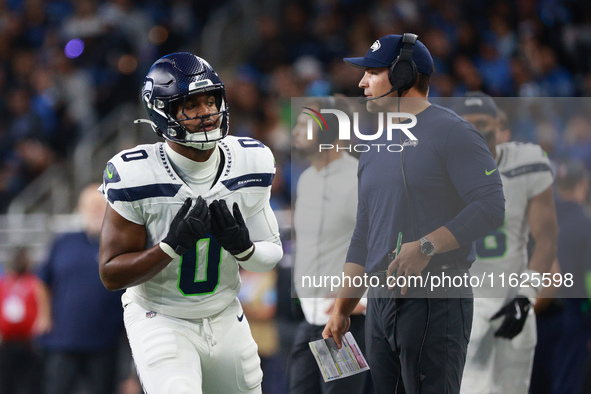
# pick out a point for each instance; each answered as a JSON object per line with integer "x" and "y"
{"x": 65, "y": 65}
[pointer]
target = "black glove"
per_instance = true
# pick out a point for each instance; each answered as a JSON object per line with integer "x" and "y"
{"x": 230, "y": 231}
{"x": 186, "y": 229}
{"x": 515, "y": 313}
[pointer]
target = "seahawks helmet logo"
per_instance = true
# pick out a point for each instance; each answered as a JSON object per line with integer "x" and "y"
{"x": 375, "y": 46}
{"x": 148, "y": 88}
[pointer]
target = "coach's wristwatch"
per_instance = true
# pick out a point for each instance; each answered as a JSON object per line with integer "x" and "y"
{"x": 427, "y": 247}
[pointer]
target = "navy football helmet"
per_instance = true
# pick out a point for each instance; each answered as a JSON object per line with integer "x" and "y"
{"x": 170, "y": 81}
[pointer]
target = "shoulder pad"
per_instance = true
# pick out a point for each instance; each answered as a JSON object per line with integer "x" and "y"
{"x": 247, "y": 155}
{"x": 522, "y": 158}
{"x": 249, "y": 164}
{"x": 138, "y": 173}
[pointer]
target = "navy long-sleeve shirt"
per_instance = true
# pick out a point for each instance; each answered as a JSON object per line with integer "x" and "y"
{"x": 452, "y": 181}
{"x": 86, "y": 316}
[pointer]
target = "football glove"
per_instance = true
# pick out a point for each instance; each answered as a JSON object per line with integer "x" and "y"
{"x": 515, "y": 313}
{"x": 188, "y": 227}
{"x": 230, "y": 231}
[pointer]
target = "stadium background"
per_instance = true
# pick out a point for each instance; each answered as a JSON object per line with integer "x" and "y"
{"x": 71, "y": 72}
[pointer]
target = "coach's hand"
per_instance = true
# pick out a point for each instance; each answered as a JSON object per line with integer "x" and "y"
{"x": 230, "y": 231}
{"x": 187, "y": 227}
{"x": 337, "y": 326}
{"x": 515, "y": 313}
{"x": 410, "y": 262}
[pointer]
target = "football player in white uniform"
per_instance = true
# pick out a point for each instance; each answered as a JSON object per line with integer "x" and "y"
{"x": 182, "y": 214}
{"x": 503, "y": 339}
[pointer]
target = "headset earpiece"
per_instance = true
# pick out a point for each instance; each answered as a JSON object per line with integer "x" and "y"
{"x": 403, "y": 71}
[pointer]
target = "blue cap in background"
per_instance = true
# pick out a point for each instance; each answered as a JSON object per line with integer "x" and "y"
{"x": 475, "y": 103}
{"x": 384, "y": 51}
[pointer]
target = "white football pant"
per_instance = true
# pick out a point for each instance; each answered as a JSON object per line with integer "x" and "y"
{"x": 498, "y": 365}
{"x": 179, "y": 356}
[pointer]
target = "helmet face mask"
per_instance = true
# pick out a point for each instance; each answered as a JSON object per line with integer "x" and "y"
{"x": 174, "y": 81}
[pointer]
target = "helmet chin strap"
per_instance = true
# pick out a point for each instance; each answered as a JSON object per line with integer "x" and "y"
{"x": 195, "y": 140}
{"x": 199, "y": 145}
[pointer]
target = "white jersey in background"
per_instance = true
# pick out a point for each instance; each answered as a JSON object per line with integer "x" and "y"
{"x": 324, "y": 221}
{"x": 525, "y": 173}
{"x": 143, "y": 187}
{"x": 499, "y": 365}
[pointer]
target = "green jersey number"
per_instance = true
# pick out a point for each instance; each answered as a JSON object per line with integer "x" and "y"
{"x": 199, "y": 272}
{"x": 492, "y": 245}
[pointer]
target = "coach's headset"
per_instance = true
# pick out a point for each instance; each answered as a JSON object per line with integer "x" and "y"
{"x": 402, "y": 72}
{"x": 403, "y": 75}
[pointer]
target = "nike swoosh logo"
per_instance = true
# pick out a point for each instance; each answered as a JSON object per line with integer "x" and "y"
{"x": 240, "y": 317}
{"x": 487, "y": 172}
{"x": 109, "y": 173}
{"x": 517, "y": 312}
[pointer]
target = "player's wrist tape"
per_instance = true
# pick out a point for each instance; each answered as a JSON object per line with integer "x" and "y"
{"x": 264, "y": 257}
{"x": 168, "y": 250}
{"x": 531, "y": 292}
{"x": 246, "y": 254}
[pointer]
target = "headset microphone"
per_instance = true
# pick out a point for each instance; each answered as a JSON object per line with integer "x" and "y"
{"x": 396, "y": 86}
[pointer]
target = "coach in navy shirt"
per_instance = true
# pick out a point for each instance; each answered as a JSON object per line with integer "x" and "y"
{"x": 441, "y": 194}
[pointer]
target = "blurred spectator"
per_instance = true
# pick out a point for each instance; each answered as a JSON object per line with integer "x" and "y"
{"x": 269, "y": 52}
{"x": 578, "y": 138}
{"x": 574, "y": 254}
{"x": 85, "y": 23}
{"x": 24, "y": 314}
{"x": 29, "y": 154}
{"x": 494, "y": 69}
{"x": 505, "y": 39}
{"x": 467, "y": 75}
{"x": 308, "y": 71}
{"x": 258, "y": 296}
{"x": 25, "y": 123}
{"x": 441, "y": 52}
{"x": 246, "y": 104}
{"x": 300, "y": 44}
{"x": 129, "y": 23}
{"x": 87, "y": 318}
{"x": 555, "y": 80}
{"x": 77, "y": 90}
{"x": 324, "y": 220}
{"x": 50, "y": 100}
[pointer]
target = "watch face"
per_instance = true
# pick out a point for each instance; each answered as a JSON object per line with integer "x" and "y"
{"x": 427, "y": 247}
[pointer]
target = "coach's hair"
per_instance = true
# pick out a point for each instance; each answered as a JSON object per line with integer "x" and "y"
{"x": 424, "y": 81}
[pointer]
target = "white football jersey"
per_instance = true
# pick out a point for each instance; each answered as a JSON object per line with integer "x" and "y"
{"x": 142, "y": 186}
{"x": 525, "y": 173}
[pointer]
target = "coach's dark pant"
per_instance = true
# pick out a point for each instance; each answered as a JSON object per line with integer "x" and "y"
{"x": 418, "y": 345}
{"x": 304, "y": 375}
